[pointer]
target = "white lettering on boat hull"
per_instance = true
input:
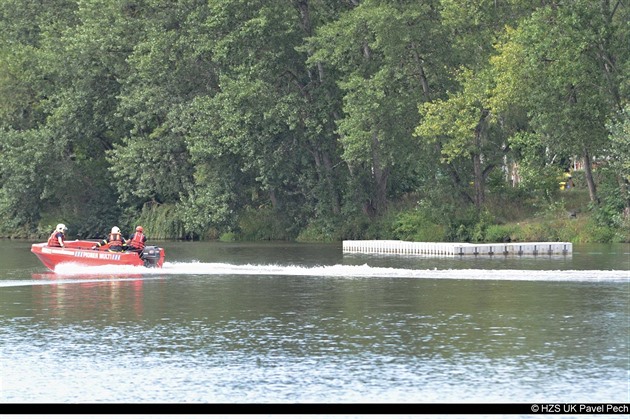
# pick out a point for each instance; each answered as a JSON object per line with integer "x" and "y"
{"x": 82, "y": 254}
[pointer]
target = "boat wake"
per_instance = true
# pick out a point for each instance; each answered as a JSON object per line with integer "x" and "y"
{"x": 73, "y": 273}
{"x": 366, "y": 271}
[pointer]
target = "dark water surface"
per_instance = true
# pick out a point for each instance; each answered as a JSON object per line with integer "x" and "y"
{"x": 296, "y": 323}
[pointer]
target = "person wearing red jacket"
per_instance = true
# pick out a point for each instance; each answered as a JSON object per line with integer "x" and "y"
{"x": 114, "y": 239}
{"x": 136, "y": 240}
{"x": 58, "y": 236}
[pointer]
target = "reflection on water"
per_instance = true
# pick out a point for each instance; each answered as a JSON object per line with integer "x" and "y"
{"x": 320, "y": 328}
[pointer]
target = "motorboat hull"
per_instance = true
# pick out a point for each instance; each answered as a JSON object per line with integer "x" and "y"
{"x": 81, "y": 252}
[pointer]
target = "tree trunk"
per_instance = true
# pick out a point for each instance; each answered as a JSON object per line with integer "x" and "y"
{"x": 323, "y": 163}
{"x": 328, "y": 178}
{"x": 478, "y": 173}
{"x": 380, "y": 176}
{"x": 623, "y": 187}
{"x": 588, "y": 172}
{"x": 422, "y": 77}
{"x": 479, "y": 181}
{"x": 457, "y": 183}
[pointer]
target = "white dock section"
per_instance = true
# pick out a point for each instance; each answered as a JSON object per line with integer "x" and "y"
{"x": 399, "y": 247}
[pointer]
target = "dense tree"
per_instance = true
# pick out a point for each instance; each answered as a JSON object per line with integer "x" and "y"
{"x": 616, "y": 166}
{"x": 190, "y": 116}
{"x": 387, "y": 57}
{"x": 565, "y": 65}
{"x": 265, "y": 127}
{"x": 471, "y": 138}
{"x": 32, "y": 167}
{"x": 168, "y": 67}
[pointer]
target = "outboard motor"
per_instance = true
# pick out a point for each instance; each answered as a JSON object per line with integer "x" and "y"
{"x": 150, "y": 255}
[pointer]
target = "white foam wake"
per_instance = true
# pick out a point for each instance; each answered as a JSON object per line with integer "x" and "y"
{"x": 74, "y": 272}
{"x": 366, "y": 271}
{"x": 347, "y": 271}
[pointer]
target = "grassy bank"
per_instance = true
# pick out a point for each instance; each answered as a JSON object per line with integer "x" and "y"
{"x": 569, "y": 217}
{"x": 509, "y": 216}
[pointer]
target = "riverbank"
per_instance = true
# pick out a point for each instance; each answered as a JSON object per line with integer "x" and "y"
{"x": 569, "y": 217}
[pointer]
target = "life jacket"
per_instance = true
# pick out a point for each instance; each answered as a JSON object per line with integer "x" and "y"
{"x": 114, "y": 239}
{"x": 137, "y": 240}
{"x": 53, "y": 241}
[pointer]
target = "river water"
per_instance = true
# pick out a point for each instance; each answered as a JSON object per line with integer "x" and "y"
{"x": 306, "y": 323}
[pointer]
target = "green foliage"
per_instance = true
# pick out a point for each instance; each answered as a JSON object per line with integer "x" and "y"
{"x": 609, "y": 211}
{"x": 417, "y": 225}
{"x": 358, "y": 227}
{"x": 508, "y": 203}
{"x": 325, "y": 230}
{"x": 315, "y": 120}
{"x": 375, "y": 47}
{"x": 501, "y": 233}
{"x": 570, "y": 230}
{"x": 615, "y": 174}
{"x": 556, "y": 66}
{"x": 467, "y": 225}
{"x": 263, "y": 224}
{"x": 228, "y": 237}
{"x": 556, "y": 223}
{"x": 28, "y": 175}
{"x": 160, "y": 222}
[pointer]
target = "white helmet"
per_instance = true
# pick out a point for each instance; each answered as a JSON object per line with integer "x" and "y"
{"x": 115, "y": 230}
{"x": 61, "y": 227}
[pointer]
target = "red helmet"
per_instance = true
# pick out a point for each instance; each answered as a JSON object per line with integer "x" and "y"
{"x": 139, "y": 229}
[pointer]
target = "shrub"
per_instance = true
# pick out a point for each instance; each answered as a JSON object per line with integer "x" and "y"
{"x": 417, "y": 225}
{"x": 227, "y": 237}
{"x": 502, "y": 233}
{"x": 321, "y": 231}
{"x": 263, "y": 224}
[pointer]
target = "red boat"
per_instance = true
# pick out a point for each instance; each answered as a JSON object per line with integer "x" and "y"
{"x": 81, "y": 252}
